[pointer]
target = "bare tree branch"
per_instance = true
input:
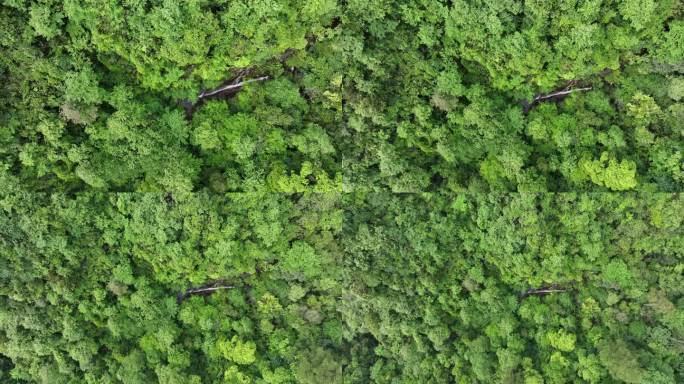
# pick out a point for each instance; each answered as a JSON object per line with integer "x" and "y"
{"x": 229, "y": 87}
{"x": 559, "y": 93}
{"x": 206, "y": 290}
{"x": 232, "y": 85}
{"x": 528, "y": 105}
{"x": 199, "y": 290}
{"x": 541, "y": 291}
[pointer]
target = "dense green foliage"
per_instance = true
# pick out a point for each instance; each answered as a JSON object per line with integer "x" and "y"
{"x": 342, "y": 191}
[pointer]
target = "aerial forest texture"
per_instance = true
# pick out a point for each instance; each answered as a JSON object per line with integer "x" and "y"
{"x": 341, "y": 191}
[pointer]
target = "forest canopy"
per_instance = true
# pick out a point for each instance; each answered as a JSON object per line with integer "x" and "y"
{"x": 341, "y": 191}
